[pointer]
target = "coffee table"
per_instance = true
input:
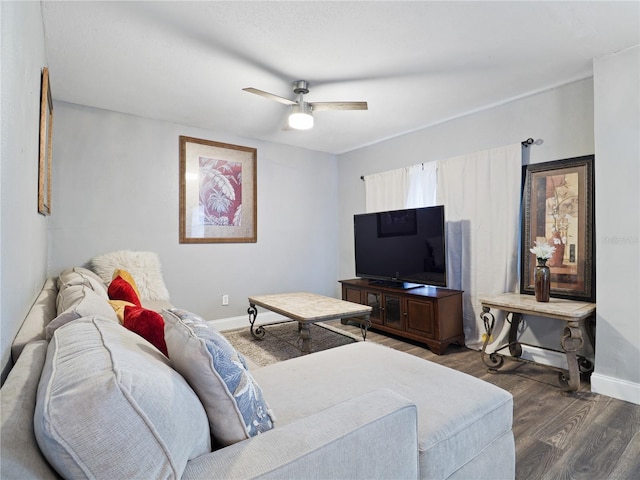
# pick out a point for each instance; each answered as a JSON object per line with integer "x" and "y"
{"x": 307, "y": 308}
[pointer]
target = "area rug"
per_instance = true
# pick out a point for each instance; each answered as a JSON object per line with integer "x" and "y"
{"x": 282, "y": 341}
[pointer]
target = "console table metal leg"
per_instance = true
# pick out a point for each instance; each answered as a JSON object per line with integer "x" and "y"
{"x": 492, "y": 360}
{"x": 571, "y": 342}
{"x": 515, "y": 349}
{"x": 253, "y": 314}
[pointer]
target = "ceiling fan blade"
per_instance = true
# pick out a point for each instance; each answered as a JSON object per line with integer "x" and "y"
{"x": 323, "y": 106}
{"x": 277, "y": 98}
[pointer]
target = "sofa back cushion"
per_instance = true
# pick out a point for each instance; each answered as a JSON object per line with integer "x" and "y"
{"x": 70, "y": 296}
{"x": 41, "y": 313}
{"x": 110, "y": 406}
{"x": 78, "y": 301}
{"x": 21, "y": 457}
{"x": 82, "y": 276}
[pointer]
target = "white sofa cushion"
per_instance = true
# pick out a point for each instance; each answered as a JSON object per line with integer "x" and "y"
{"x": 41, "y": 313}
{"x": 72, "y": 295}
{"x": 219, "y": 375}
{"x": 21, "y": 457}
{"x": 82, "y": 276}
{"x": 110, "y": 406}
{"x": 81, "y": 301}
{"x": 459, "y": 416}
{"x": 144, "y": 267}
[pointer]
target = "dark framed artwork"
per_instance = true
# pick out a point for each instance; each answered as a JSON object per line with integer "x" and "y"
{"x": 46, "y": 137}
{"x": 558, "y": 206}
{"x": 218, "y": 201}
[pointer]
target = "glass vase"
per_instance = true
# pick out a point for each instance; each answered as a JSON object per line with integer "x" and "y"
{"x": 542, "y": 285}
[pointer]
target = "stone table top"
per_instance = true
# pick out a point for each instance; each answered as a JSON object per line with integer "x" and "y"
{"x": 556, "y": 307}
{"x": 309, "y": 307}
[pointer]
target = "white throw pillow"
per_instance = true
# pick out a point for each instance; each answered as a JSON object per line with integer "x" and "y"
{"x": 144, "y": 267}
{"x": 219, "y": 375}
{"x": 110, "y": 406}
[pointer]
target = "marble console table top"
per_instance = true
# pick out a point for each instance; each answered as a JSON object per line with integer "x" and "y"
{"x": 309, "y": 307}
{"x": 527, "y": 304}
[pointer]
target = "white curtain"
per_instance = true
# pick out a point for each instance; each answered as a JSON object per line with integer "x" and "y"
{"x": 481, "y": 195}
{"x": 386, "y": 190}
{"x": 408, "y": 187}
{"x": 422, "y": 185}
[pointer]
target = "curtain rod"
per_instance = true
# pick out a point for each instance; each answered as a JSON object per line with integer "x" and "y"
{"x": 524, "y": 143}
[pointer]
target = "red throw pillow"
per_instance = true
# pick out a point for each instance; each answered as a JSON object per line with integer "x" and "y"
{"x": 148, "y": 324}
{"x": 120, "y": 289}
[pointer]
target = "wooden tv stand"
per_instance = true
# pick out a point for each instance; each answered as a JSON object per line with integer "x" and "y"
{"x": 430, "y": 315}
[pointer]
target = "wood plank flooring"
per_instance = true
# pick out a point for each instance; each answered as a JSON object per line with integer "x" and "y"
{"x": 557, "y": 435}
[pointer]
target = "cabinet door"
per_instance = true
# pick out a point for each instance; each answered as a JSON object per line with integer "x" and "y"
{"x": 420, "y": 317}
{"x": 351, "y": 294}
{"x": 374, "y": 300}
{"x": 393, "y": 312}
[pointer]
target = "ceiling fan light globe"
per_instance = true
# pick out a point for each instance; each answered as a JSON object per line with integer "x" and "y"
{"x": 300, "y": 120}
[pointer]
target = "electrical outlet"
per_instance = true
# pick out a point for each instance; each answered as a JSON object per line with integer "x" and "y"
{"x": 225, "y": 299}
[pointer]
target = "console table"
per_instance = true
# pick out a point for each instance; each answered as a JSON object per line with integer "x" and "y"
{"x": 569, "y": 311}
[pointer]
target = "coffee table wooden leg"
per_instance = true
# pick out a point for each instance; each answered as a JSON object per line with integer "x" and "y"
{"x": 305, "y": 335}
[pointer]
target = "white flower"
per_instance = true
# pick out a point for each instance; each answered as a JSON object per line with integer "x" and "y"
{"x": 543, "y": 250}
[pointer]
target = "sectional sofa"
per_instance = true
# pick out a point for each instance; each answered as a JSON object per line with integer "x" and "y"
{"x": 89, "y": 398}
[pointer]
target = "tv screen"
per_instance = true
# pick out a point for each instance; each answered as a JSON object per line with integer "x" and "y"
{"x": 402, "y": 246}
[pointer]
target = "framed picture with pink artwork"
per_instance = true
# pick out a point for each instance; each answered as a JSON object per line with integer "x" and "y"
{"x": 218, "y": 201}
{"x": 558, "y": 208}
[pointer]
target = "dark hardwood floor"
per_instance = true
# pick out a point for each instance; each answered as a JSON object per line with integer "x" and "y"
{"x": 557, "y": 435}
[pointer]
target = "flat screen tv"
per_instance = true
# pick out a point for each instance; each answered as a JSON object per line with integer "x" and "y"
{"x": 406, "y": 248}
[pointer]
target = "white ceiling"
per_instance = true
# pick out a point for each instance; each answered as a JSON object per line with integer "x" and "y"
{"x": 416, "y": 63}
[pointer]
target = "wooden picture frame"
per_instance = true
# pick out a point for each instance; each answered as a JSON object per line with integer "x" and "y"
{"x": 218, "y": 192}
{"x": 558, "y": 206}
{"x": 46, "y": 137}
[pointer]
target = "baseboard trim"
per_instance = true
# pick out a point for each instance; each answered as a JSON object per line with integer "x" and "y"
{"x": 600, "y": 384}
{"x": 616, "y": 388}
{"x": 232, "y": 323}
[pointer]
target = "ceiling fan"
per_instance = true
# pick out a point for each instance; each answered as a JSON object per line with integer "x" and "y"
{"x": 301, "y": 117}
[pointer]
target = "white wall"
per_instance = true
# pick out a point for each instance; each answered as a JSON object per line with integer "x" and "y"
{"x": 562, "y": 119}
{"x": 617, "y": 172}
{"x": 23, "y": 238}
{"x": 116, "y": 187}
